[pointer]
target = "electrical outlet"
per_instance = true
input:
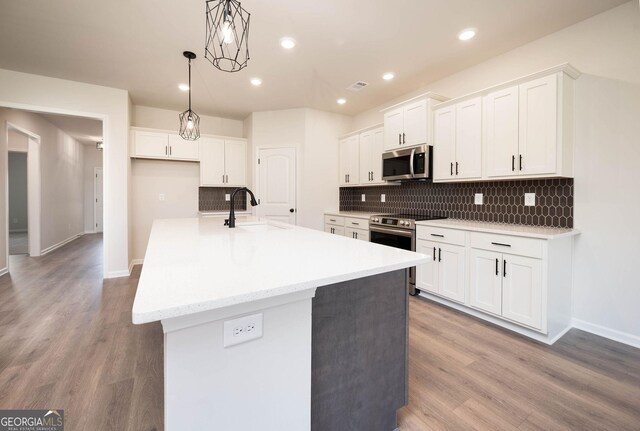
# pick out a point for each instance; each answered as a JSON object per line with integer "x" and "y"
{"x": 227, "y": 197}
{"x": 478, "y": 199}
{"x": 364, "y": 197}
{"x": 529, "y": 199}
{"x": 161, "y": 197}
{"x": 242, "y": 329}
{"x": 383, "y": 198}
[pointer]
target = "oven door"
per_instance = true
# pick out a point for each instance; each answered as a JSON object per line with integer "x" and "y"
{"x": 398, "y": 238}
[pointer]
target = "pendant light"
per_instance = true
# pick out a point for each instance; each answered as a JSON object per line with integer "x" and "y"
{"x": 227, "y": 40}
{"x": 189, "y": 120}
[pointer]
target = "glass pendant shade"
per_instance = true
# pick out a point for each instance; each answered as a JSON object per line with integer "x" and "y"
{"x": 189, "y": 120}
{"x": 227, "y": 42}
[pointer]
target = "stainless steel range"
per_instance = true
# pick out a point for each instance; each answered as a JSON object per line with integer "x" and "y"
{"x": 398, "y": 230}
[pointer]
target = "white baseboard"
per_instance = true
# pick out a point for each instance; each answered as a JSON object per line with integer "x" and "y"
{"x": 60, "y": 244}
{"x": 135, "y": 262}
{"x": 117, "y": 274}
{"x": 4, "y": 271}
{"x": 612, "y": 334}
{"x": 89, "y": 232}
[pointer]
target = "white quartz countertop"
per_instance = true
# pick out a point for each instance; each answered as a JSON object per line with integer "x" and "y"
{"x": 355, "y": 214}
{"x": 501, "y": 228}
{"x": 196, "y": 264}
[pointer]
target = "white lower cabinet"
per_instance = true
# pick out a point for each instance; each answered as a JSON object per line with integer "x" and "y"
{"x": 352, "y": 227}
{"x": 336, "y": 230}
{"x": 446, "y": 275}
{"x": 521, "y": 283}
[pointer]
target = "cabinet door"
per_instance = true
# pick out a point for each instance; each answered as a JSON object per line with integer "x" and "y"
{"x": 343, "y": 162}
{"x": 336, "y": 230}
{"x": 501, "y": 126}
{"x": 182, "y": 149}
{"x": 393, "y": 128}
{"x": 451, "y": 275}
{"x": 377, "y": 148}
{"x": 538, "y": 126}
{"x": 444, "y": 143}
{"x": 366, "y": 147}
{"x": 151, "y": 144}
{"x": 522, "y": 290}
{"x": 415, "y": 123}
{"x": 235, "y": 162}
{"x": 427, "y": 273}
{"x": 468, "y": 162}
{"x": 485, "y": 280}
{"x": 212, "y": 162}
{"x": 353, "y": 160}
{"x": 361, "y": 234}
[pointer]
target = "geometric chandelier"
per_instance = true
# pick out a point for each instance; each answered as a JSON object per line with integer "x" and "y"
{"x": 227, "y": 40}
{"x": 189, "y": 120}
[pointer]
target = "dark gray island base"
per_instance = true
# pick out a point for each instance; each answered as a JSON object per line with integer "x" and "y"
{"x": 359, "y": 353}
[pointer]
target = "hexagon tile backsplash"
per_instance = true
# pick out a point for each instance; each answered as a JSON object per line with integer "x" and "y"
{"x": 213, "y": 199}
{"x": 503, "y": 201}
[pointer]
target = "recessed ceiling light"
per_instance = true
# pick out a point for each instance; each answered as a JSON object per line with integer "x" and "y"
{"x": 287, "y": 42}
{"x": 341, "y": 101}
{"x": 388, "y": 76}
{"x": 183, "y": 87}
{"x": 467, "y": 33}
{"x": 256, "y": 82}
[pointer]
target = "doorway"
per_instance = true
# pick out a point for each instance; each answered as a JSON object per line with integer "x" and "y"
{"x": 277, "y": 184}
{"x": 97, "y": 199}
{"x": 18, "y": 207}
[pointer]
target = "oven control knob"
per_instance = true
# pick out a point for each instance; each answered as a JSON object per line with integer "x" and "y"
{"x": 403, "y": 223}
{"x": 376, "y": 220}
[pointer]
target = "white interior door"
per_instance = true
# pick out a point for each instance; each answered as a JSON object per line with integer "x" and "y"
{"x": 277, "y": 184}
{"x": 98, "y": 203}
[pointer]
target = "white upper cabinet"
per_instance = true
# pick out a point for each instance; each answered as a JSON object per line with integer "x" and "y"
{"x": 371, "y": 149}
{"x": 349, "y": 161}
{"x": 150, "y": 144}
{"x": 457, "y": 144}
{"x": 501, "y": 128}
{"x": 538, "y": 126}
{"x": 409, "y": 123}
{"x": 182, "y": 149}
{"x": 223, "y": 162}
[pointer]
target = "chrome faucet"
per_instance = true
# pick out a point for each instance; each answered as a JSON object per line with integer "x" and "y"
{"x": 231, "y": 221}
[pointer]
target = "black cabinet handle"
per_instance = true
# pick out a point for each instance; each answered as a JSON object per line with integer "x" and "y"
{"x": 404, "y": 140}
{"x": 438, "y": 235}
{"x": 439, "y": 255}
{"x": 166, "y": 150}
{"x": 520, "y": 161}
{"x": 169, "y": 150}
{"x": 497, "y": 266}
{"x": 399, "y": 139}
{"x": 451, "y": 168}
{"x": 501, "y": 244}
{"x": 356, "y": 235}
{"x": 434, "y": 254}
{"x": 513, "y": 163}
{"x": 456, "y": 168}
{"x": 504, "y": 268}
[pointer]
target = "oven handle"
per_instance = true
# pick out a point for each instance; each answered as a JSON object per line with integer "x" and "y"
{"x": 399, "y": 232}
{"x": 413, "y": 153}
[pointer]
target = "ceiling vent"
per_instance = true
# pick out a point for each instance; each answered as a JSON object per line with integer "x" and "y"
{"x": 357, "y": 86}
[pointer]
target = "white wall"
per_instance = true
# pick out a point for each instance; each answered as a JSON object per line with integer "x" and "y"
{"x": 177, "y": 181}
{"x": 92, "y": 159}
{"x": 156, "y": 118}
{"x": 314, "y": 134}
{"x": 41, "y": 93}
{"x": 18, "y": 208}
{"x": 61, "y": 168}
{"x": 605, "y": 48}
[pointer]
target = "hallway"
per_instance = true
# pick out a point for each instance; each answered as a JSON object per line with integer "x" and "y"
{"x": 67, "y": 342}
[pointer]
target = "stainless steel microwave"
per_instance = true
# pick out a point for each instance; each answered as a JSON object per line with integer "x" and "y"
{"x": 407, "y": 164}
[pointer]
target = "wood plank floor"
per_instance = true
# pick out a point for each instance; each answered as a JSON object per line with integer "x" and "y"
{"x": 66, "y": 341}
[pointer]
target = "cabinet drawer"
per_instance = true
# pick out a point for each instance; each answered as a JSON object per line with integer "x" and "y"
{"x": 334, "y": 220}
{"x": 356, "y": 223}
{"x": 507, "y": 244}
{"x": 449, "y": 236}
{"x": 361, "y": 234}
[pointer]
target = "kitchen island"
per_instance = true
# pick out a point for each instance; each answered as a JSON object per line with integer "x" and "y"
{"x": 270, "y": 326}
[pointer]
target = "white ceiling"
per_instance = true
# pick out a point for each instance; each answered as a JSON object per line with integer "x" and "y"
{"x": 87, "y": 131}
{"x": 137, "y": 46}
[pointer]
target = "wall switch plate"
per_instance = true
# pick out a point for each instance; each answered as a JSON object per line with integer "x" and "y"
{"x": 383, "y": 198}
{"x": 364, "y": 197}
{"x": 227, "y": 197}
{"x": 478, "y": 199}
{"x": 529, "y": 199}
{"x": 161, "y": 197}
{"x": 242, "y": 329}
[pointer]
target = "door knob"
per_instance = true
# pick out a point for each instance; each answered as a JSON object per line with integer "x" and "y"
{"x": 291, "y": 210}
